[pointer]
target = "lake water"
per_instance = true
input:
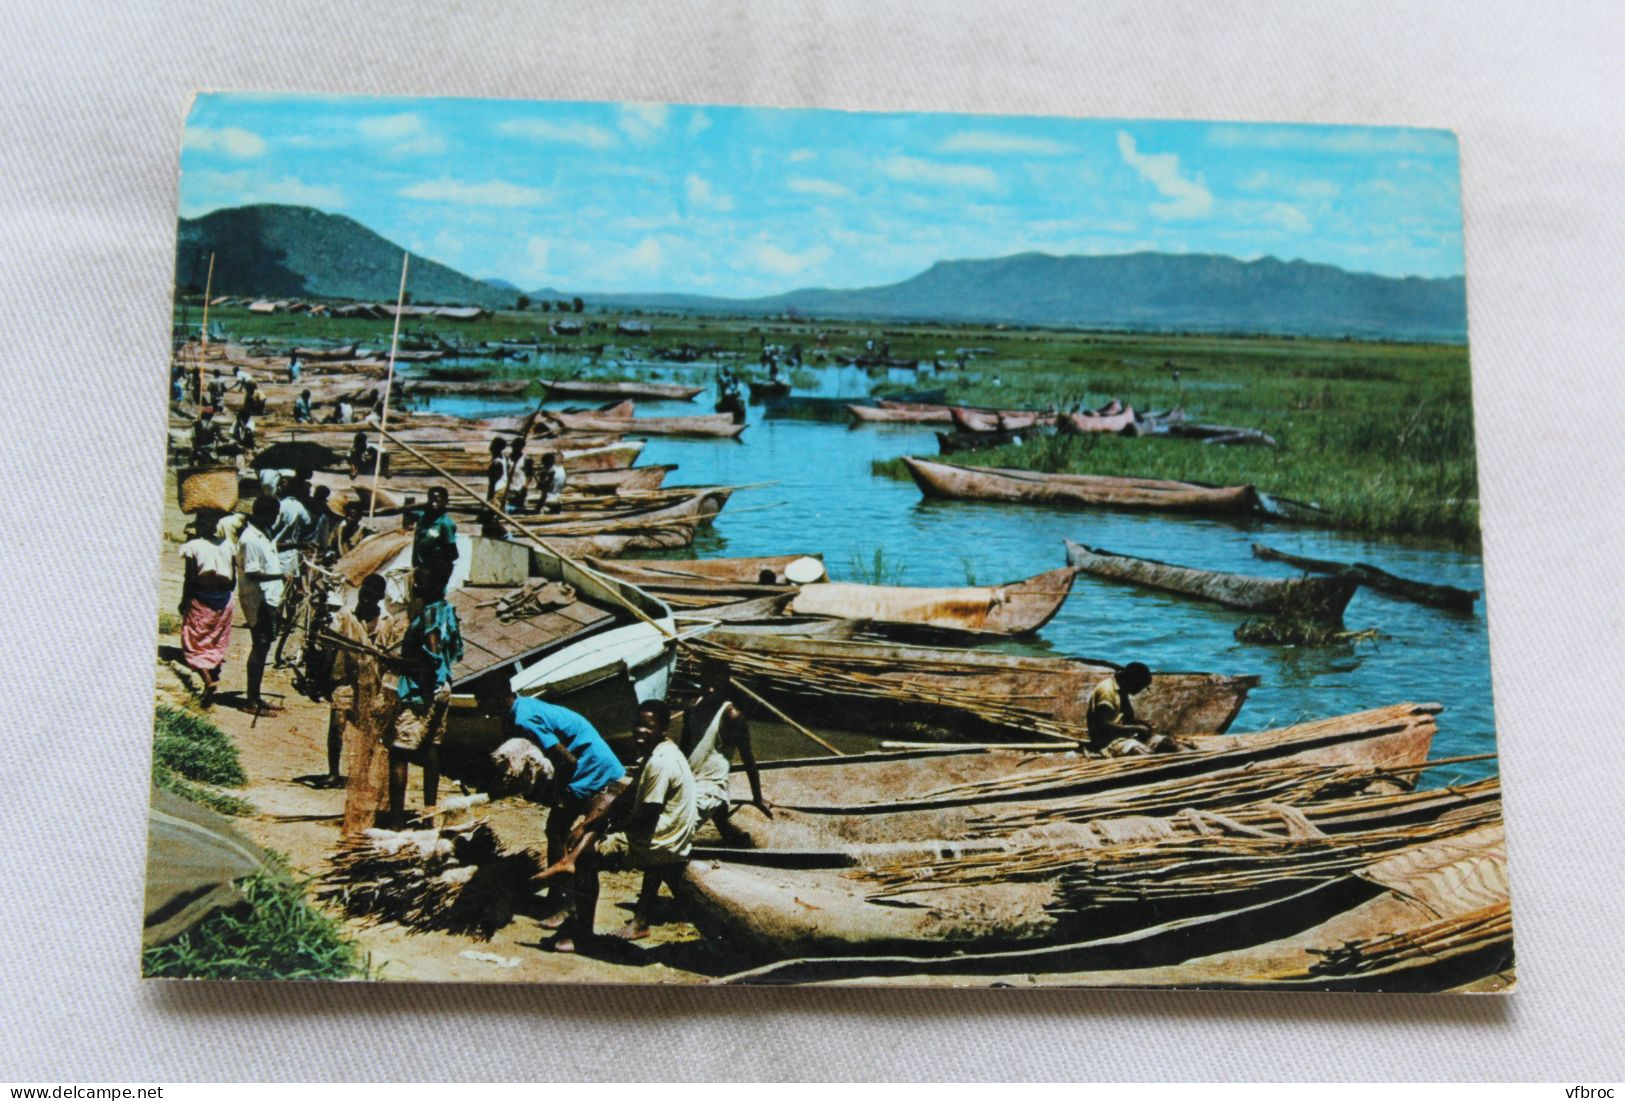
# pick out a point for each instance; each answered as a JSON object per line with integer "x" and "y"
{"x": 825, "y": 500}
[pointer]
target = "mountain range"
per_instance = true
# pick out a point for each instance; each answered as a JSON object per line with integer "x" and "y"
{"x": 289, "y": 251}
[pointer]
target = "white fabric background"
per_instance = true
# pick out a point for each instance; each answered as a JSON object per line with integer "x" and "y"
{"x": 94, "y": 97}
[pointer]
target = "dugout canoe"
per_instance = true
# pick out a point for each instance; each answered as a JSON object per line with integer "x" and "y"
{"x": 997, "y": 420}
{"x": 1311, "y": 597}
{"x": 875, "y": 687}
{"x": 652, "y": 391}
{"x": 956, "y": 482}
{"x": 633, "y": 479}
{"x": 717, "y": 425}
{"x": 1123, "y": 422}
{"x": 727, "y": 570}
{"x": 952, "y": 443}
{"x": 897, "y": 412}
{"x": 1368, "y": 889}
{"x": 768, "y": 389}
{"x": 822, "y": 803}
{"x": 1016, "y": 608}
{"x": 343, "y": 351}
{"x": 1419, "y": 592}
{"x": 499, "y": 386}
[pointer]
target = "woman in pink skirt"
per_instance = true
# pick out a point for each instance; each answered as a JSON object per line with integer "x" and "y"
{"x": 206, "y": 600}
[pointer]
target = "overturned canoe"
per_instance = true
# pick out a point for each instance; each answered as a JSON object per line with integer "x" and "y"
{"x": 972, "y": 694}
{"x": 1016, "y": 608}
{"x": 1310, "y": 597}
{"x": 1023, "y": 486}
{"x": 1419, "y": 592}
{"x": 653, "y": 391}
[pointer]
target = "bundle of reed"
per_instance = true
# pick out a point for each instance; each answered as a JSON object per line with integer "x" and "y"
{"x": 860, "y": 677}
{"x": 1264, "y": 820}
{"x": 458, "y": 879}
{"x": 1436, "y": 942}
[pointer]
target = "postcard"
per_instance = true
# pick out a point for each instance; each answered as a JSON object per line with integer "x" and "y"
{"x": 630, "y": 543}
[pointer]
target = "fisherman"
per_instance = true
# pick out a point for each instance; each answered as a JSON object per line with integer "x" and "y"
{"x": 713, "y": 731}
{"x": 550, "y": 482}
{"x": 263, "y": 585}
{"x": 295, "y": 368}
{"x": 431, "y": 646}
{"x": 325, "y": 523}
{"x": 206, "y": 604}
{"x": 342, "y": 413}
{"x": 177, "y": 384}
{"x": 589, "y": 778}
{"x": 365, "y": 458}
{"x": 217, "y": 390}
{"x": 661, "y": 819}
{"x": 521, "y": 470}
{"x": 292, "y": 531}
{"x": 1113, "y": 728}
{"x": 352, "y": 531}
{"x": 434, "y": 547}
{"x": 301, "y": 409}
{"x": 242, "y": 431}
{"x": 205, "y": 437}
{"x": 253, "y": 400}
{"x": 364, "y": 703}
{"x": 496, "y": 471}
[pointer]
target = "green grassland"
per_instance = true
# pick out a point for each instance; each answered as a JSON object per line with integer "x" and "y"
{"x": 1378, "y": 434}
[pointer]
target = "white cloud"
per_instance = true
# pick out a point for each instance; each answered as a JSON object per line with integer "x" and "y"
{"x": 565, "y": 133}
{"x": 811, "y": 185}
{"x": 771, "y": 258}
{"x": 991, "y": 141}
{"x": 230, "y": 140}
{"x": 642, "y": 120}
{"x": 205, "y": 191}
{"x": 447, "y": 244}
{"x": 644, "y": 258}
{"x": 1334, "y": 139}
{"x": 701, "y": 194}
{"x": 404, "y": 134}
{"x": 797, "y": 156}
{"x": 935, "y": 173}
{"x": 1186, "y": 198}
{"x": 490, "y": 193}
{"x": 697, "y": 122}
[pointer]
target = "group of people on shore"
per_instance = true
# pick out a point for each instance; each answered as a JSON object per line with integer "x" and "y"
{"x": 512, "y": 475}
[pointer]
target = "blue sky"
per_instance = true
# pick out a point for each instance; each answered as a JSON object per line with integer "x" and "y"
{"x": 752, "y": 201}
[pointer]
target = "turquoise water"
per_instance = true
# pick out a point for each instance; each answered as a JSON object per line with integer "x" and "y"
{"x": 825, "y": 500}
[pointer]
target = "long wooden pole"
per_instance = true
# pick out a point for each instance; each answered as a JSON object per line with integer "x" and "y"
{"x": 611, "y": 583}
{"x": 389, "y": 384}
{"x": 203, "y": 338}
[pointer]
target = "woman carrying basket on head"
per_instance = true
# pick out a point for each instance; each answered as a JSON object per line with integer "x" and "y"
{"x": 206, "y": 599}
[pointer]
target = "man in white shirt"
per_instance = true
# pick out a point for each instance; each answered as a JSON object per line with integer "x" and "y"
{"x": 661, "y": 821}
{"x": 260, "y": 593}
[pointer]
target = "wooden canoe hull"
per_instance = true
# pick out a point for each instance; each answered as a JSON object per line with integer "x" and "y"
{"x": 719, "y": 425}
{"x": 889, "y": 414}
{"x": 1018, "y": 608}
{"x": 998, "y": 420}
{"x": 1075, "y": 490}
{"x": 736, "y": 570}
{"x": 921, "y": 680}
{"x": 652, "y": 391}
{"x": 1314, "y": 597}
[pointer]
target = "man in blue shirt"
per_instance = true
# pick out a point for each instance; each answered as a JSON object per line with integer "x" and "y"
{"x": 588, "y": 777}
{"x": 434, "y": 547}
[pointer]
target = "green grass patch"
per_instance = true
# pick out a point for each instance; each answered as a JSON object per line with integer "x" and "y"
{"x": 876, "y": 570}
{"x": 273, "y": 934}
{"x": 192, "y": 757}
{"x": 169, "y": 623}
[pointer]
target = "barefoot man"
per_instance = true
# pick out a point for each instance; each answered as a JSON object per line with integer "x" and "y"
{"x": 589, "y": 777}
{"x": 660, "y": 822}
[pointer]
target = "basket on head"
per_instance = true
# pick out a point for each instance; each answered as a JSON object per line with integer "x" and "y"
{"x": 208, "y": 487}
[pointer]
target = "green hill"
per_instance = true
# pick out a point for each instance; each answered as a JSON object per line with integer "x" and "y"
{"x": 296, "y": 252}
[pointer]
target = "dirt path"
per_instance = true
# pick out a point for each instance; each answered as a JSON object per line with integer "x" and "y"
{"x": 283, "y": 752}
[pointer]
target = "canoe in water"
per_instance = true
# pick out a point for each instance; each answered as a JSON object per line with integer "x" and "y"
{"x": 972, "y": 694}
{"x": 719, "y": 425}
{"x": 893, "y": 412}
{"x": 1089, "y": 490}
{"x": 1312, "y": 597}
{"x": 1016, "y": 608}
{"x": 653, "y": 391}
